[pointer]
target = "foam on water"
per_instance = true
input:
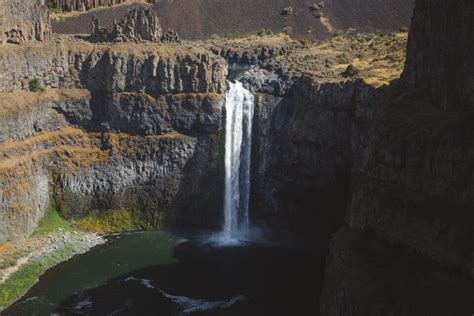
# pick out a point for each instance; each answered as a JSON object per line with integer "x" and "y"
{"x": 189, "y": 305}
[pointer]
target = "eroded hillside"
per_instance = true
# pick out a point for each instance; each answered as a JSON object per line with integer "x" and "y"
{"x": 204, "y": 18}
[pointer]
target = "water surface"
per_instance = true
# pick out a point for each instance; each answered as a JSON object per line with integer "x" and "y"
{"x": 153, "y": 274}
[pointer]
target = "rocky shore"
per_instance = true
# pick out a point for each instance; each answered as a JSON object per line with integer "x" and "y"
{"x": 25, "y": 262}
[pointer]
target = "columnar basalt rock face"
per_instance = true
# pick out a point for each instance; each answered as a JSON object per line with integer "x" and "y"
{"x": 117, "y": 128}
{"x": 24, "y": 20}
{"x": 140, "y": 24}
{"x": 410, "y": 226}
{"x": 302, "y": 158}
{"x": 439, "y": 60}
{"x": 83, "y": 5}
{"x": 114, "y": 68}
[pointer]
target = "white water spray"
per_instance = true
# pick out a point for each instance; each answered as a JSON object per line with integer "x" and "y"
{"x": 238, "y": 143}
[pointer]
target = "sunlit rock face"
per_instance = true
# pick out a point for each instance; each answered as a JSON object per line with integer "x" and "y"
{"x": 115, "y": 129}
{"x": 83, "y": 5}
{"x": 24, "y": 20}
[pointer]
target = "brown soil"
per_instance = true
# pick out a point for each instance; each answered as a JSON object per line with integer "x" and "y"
{"x": 200, "y": 19}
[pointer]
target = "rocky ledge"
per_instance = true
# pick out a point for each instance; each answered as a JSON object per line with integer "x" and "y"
{"x": 118, "y": 126}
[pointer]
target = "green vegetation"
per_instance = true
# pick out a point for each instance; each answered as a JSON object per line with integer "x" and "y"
{"x": 99, "y": 221}
{"x": 20, "y": 281}
{"x": 52, "y": 7}
{"x": 51, "y": 222}
{"x": 36, "y": 85}
{"x": 50, "y": 4}
{"x": 7, "y": 262}
{"x": 114, "y": 221}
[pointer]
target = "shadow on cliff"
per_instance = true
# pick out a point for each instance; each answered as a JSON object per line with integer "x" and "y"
{"x": 251, "y": 280}
{"x": 302, "y": 160}
{"x": 199, "y": 199}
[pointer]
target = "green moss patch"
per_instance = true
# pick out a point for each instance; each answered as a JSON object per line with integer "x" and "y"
{"x": 51, "y": 222}
{"x": 114, "y": 221}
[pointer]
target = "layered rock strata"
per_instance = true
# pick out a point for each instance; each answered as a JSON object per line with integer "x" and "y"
{"x": 133, "y": 127}
{"x": 113, "y": 68}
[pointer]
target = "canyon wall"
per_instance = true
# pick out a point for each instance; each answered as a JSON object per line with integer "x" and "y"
{"x": 407, "y": 245}
{"x": 131, "y": 127}
{"x": 83, "y": 5}
{"x": 24, "y": 20}
{"x": 302, "y": 158}
{"x": 439, "y": 61}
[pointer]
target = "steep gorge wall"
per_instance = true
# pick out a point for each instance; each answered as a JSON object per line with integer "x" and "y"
{"x": 24, "y": 20}
{"x": 70, "y": 64}
{"x": 302, "y": 158}
{"x": 407, "y": 246}
{"x": 439, "y": 61}
{"x": 133, "y": 127}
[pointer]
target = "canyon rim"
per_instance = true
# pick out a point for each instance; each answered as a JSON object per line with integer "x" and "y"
{"x": 335, "y": 136}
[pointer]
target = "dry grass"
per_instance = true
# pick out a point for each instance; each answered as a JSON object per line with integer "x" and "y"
{"x": 55, "y": 15}
{"x": 20, "y": 100}
{"x": 65, "y": 43}
{"x": 379, "y": 58}
{"x": 71, "y": 146}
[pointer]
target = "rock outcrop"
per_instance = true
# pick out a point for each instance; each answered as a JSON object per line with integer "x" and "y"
{"x": 83, "y": 5}
{"x": 201, "y": 19}
{"x": 302, "y": 158}
{"x": 302, "y": 146}
{"x": 24, "y": 20}
{"x": 409, "y": 229}
{"x": 133, "y": 127}
{"x": 113, "y": 68}
{"x": 138, "y": 25}
{"x": 439, "y": 60}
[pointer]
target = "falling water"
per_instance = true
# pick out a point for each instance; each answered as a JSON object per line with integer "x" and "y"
{"x": 238, "y": 143}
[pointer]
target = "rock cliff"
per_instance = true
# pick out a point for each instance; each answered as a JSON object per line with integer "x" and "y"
{"x": 83, "y": 5}
{"x": 118, "y": 127}
{"x": 439, "y": 62}
{"x": 138, "y": 25}
{"x": 25, "y": 20}
{"x": 302, "y": 155}
{"x": 409, "y": 229}
{"x": 302, "y": 158}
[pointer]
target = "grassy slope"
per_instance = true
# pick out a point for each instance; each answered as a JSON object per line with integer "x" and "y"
{"x": 27, "y": 275}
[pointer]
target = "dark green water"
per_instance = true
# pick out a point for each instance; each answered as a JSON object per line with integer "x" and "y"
{"x": 153, "y": 274}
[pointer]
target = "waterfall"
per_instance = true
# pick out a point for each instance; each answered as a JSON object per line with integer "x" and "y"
{"x": 238, "y": 143}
